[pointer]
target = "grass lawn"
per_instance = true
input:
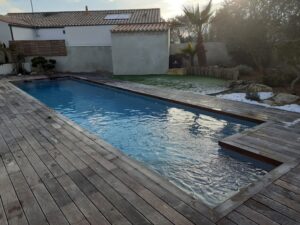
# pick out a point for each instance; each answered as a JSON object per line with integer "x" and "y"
{"x": 203, "y": 85}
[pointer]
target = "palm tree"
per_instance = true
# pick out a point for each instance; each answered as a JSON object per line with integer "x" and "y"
{"x": 199, "y": 18}
{"x": 190, "y": 51}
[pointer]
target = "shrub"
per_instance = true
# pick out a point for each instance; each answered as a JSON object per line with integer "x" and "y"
{"x": 278, "y": 77}
{"x": 245, "y": 70}
{"x": 254, "y": 96}
{"x": 38, "y": 62}
{"x": 43, "y": 64}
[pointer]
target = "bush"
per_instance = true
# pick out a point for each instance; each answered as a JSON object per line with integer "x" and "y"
{"x": 43, "y": 64}
{"x": 278, "y": 77}
{"x": 38, "y": 62}
{"x": 254, "y": 96}
{"x": 245, "y": 70}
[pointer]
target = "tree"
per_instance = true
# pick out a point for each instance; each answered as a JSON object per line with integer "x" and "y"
{"x": 251, "y": 28}
{"x": 199, "y": 18}
{"x": 289, "y": 53}
{"x": 182, "y": 30}
{"x": 190, "y": 51}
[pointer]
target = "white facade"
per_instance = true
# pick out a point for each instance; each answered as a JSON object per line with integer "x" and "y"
{"x": 74, "y": 36}
{"x": 137, "y": 53}
{"x": 50, "y": 34}
{"x": 95, "y": 48}
{"x": 89, "y": 36}
{"x": 5, "y": 34}
{"x": 23, "y": 33}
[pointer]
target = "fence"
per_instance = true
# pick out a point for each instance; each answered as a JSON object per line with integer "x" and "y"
{"x": 224, "y": 73}
{"x": 39, "y": 48}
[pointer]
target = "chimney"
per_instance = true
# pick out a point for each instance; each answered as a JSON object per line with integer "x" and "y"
{"x": 86, "y": 8}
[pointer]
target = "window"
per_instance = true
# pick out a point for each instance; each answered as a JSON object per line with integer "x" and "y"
{"x": 117, "y": 17}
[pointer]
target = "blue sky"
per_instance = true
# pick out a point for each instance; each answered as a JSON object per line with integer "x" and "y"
{"x": 169, "y": 7}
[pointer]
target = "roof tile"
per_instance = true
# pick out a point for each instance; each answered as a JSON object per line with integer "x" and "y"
{"x": 153, "y": 27}
{"x": 81, "y": 18}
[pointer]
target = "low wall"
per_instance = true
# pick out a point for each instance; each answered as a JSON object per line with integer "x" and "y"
{"x": 224, "y": 73}
{"x": 216, "y": 52}
{"x": 9, "y": 68}
{"x": 6, "y": 69}
{"x": 84, "y": 59}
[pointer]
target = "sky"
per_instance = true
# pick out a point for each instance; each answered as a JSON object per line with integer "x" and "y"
{"x": 169, "y": 8}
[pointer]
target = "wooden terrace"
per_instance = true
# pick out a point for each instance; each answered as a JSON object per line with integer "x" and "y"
{"x": 54, "y": 172}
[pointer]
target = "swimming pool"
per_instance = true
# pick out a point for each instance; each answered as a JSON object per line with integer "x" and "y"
{"x": 178, "y": 142}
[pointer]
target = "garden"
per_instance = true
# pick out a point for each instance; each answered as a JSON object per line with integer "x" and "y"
{"x": 262, "y": 39}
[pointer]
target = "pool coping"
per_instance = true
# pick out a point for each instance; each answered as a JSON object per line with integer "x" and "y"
{"x": 213, "y": 214}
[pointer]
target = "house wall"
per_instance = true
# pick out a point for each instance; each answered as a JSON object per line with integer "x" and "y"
{"x": 140, "y": 53}
{"x": 88, "y": 47}
{"x": 51, "y": 34}
{"x": 89, "y": 36}
{"x": 5, "y": 35}
{"x": 84, "y": 59}
{"x": 23, "y": 33}
{"x": 74, "y": 36}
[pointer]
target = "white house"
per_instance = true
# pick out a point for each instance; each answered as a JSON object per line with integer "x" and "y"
{"x": 134, "y": 41}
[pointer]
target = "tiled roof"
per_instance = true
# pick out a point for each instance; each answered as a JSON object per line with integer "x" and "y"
{"x": 12, "y": 20}
{"x": 154, "y": 27}
{"x": 81, "y": 18}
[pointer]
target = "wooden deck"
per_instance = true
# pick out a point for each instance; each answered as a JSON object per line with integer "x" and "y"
{"x": 54, "y": 172}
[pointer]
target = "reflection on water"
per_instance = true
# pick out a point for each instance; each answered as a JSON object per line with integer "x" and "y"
{"x": 180, "y": 143}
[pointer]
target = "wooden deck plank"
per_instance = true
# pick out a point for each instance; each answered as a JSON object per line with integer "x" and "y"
{"x": 226, "y": 221}
{"x": 278, "y": 207}
{"x": 127, "y": 209}
{"x": 108, "y": 210}
{"x": 32, "y": 210}
{"x": 240, "y": 219}
{"x": 268, "y": 212}
{"x": 92, "y": 214}
{"x": 255, "y": 216}
{"x": 12, "y": 207}
{"x": 283, "y": 196}
{"x": 3, "y": 219}
{"x": 70, "y": 211}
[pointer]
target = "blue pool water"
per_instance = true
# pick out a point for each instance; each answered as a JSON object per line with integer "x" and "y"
{"x": 178, "y": 142}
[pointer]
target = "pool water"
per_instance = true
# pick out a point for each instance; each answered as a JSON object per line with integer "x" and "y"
{"x": 176, "y": 141}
